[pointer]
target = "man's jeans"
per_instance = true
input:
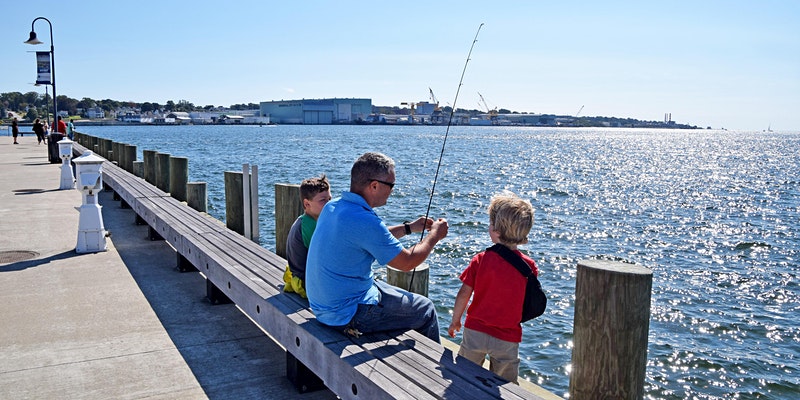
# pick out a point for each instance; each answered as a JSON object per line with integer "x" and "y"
{"x": 396, "y": 309}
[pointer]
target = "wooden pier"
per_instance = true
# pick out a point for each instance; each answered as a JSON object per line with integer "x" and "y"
{"x": 611, "y": 319}
{"x": 394, "y": 365}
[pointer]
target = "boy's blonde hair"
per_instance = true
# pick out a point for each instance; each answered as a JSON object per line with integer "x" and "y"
{"x": 511, "y": 217}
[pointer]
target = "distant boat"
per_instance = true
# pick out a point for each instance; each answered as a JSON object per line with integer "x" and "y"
{"x": 769, "y": 128}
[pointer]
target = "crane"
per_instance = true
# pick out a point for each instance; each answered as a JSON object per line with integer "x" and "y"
{"x": 436, "y": 116}
{"x": 492, "y": 112}
{"x": 579, "y": 112}
{"x": 434, "y": 101}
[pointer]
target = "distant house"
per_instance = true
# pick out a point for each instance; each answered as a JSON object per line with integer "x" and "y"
{"x": 178, "y": 117}
{"x": 95, "y": 113}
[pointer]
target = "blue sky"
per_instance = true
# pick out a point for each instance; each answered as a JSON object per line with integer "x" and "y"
{"x": 724, "y": 64}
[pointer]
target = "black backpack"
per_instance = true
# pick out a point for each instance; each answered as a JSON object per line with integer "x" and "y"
{"x": 535, "y": 299}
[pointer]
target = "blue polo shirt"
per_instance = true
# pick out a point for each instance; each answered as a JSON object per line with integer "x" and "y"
{"x": 349, "y": 238}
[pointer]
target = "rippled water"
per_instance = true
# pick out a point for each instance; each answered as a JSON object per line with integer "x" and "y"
{"x": 713, "y": 214}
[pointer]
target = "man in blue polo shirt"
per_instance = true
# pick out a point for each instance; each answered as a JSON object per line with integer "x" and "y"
{"x": 349, "y": 238}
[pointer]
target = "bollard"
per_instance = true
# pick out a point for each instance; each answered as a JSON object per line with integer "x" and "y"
{"x": 196, "y": 196}
{"x": 178, "y": 177}
{"x": 288, "y": 207}
{"x": 162, "y": 171}
{"x": 149, "y": 160}
{"x": 91, "y": 232}
{"x": 611, "y": 324}
{"x": 65, "y": 151}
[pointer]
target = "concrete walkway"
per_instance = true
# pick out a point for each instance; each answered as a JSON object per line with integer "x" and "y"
{"x": 120, "y": 324}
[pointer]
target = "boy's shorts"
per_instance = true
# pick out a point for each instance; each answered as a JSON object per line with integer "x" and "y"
{"x": 503, "y": 355}
{"x": 293, "y": 284}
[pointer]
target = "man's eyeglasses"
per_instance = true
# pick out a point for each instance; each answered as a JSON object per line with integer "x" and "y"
{"x": 389, "y": 184}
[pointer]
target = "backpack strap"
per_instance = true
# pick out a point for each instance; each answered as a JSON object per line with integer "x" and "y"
{"x": 513, "y": 258}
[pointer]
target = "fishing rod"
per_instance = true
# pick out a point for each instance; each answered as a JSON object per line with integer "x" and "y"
{"x": 444, "y": 143}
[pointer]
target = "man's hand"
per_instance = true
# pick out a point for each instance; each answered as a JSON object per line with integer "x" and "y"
{"x": 439, "y": 229}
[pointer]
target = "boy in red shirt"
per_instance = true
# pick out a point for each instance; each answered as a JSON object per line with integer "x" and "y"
{"x": 492, "y": 326}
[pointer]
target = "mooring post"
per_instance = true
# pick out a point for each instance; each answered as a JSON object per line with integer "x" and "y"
{"x": 612, "y": 321}
{"x": 196, "y": 196}
{"x": 402, "y": 279}
{"x": 234, "y": 214}
{"x": 149, "y": 159}
{"x": 130, "y": 157}
{"x": 288, "y": 207}
{"x": 162, "y": 171}
{"x": 178, "y": 177}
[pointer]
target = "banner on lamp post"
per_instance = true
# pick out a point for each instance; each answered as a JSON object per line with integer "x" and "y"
{"x": 43, "y": 68}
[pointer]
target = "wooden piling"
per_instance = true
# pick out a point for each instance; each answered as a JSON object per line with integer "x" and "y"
{"x": 115, "y": 152}
{"x": 105, "y": 149}
{"x": 402, "y": 279}
{"x": 149, "y": 159}
{"x": 288, "y": 207}
{"x": 138, "y": 168}
{"x": 234, "y": 202}
{"x": 162, "y": 171}
{"x": 95, "y": 144}
{"x": 611, "y": 324}
{"x": 178, "y": 177}
{"x": 197, "y": 196}
{"x": 130, "y": 157}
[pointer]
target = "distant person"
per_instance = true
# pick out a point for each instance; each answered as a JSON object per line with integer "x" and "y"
{"x": 493, "y": 326}
{"x": 62, "y": 127}
{"x": 38, "y": 129}
{"x": 314, "y": 193}
{"x": 14, "y": 130}
{"x": 58, "y": 132}
{"x": 70, "y": 130}
{"x": 350, "y": 236}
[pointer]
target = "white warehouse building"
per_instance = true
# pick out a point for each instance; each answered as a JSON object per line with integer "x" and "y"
{"x": 317, "y": 111}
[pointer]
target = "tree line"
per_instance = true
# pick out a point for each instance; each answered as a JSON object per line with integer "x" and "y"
{"x": 38, "y": 105}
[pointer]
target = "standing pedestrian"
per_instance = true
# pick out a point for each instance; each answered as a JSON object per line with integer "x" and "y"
{"x": 14, "y": 130}
{"x": 39, "y": 130}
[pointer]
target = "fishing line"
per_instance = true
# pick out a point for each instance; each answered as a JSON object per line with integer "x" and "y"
{"x": 444, "y": 143}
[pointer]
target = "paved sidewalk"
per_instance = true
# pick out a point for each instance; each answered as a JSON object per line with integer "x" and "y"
{"x": 120, "y": 324}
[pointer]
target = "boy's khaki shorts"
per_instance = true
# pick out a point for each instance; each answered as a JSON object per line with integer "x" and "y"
{"x": 503, "y": 356}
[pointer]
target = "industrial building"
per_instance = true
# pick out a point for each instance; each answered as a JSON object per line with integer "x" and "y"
{"x": 317, "y": 111}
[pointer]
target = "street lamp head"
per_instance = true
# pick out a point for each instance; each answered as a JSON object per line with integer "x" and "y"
{"x": 33, "y": 39}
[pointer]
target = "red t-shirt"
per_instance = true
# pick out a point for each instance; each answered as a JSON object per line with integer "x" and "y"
{"x": 62, "y": 127}
{"x": 498, "y": 293}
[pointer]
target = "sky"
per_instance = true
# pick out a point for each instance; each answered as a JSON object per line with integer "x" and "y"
{"x": 721, "y": 64}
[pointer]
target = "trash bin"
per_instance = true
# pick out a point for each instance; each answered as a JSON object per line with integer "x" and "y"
{"x": 52, "y": 148}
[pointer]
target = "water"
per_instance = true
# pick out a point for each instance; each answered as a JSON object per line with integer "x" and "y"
{"x": 713, "y": 214}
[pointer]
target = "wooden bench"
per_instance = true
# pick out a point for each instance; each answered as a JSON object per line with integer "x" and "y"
{"x": 388, "y": 365}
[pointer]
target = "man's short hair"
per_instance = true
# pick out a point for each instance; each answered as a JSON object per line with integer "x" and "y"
{"x": 511, "y": 216}
{"x": 312, "y": 186}
{"x": 368, "y": 167}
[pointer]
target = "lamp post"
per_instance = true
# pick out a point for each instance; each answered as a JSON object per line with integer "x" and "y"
{"x": 34, "y": 40}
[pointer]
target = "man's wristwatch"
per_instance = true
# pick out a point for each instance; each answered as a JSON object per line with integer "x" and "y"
{"x": 407, "y": 225}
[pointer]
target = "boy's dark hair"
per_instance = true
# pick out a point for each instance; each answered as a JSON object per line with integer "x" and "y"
{"x": 312, "y": 186}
